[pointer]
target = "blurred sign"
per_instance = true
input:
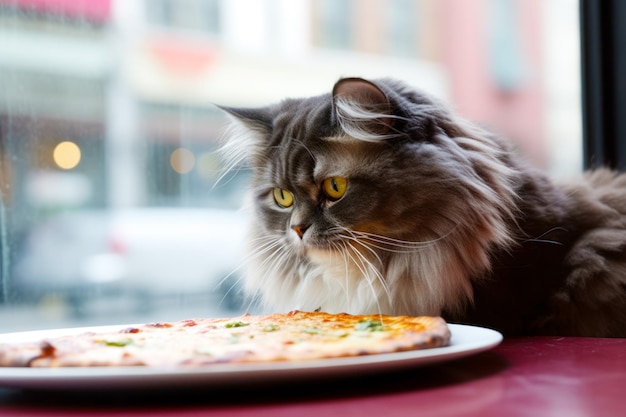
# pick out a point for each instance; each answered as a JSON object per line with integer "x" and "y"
{"x": 98, "y": 11}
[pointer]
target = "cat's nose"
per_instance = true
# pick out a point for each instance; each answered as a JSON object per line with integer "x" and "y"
{"x": 300, "y": 229}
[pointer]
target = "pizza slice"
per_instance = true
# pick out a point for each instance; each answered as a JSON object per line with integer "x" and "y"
{"x": 293, "y": 336}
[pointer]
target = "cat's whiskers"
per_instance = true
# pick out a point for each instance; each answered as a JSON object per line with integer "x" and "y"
{"x": 393, "y": 245}
{"x": 362, "y": 267}
{"x": 269, "y": 245}
{"x": 277, "y": 258}
{"x": 371, "y": 279}
{"x": 377, "y": 270}
{"x": 390, "y": 245}
{"x": 259, "y": 251}
{"x": 353, "y": 238}
{"x": 365, "y": 263}
{"x": 539, "y": 239}
{"x": 345, "y": 285}
{"x": 400, "y": 243}
{"x": 263, "y": 249}
{"x": 346, "y": 272}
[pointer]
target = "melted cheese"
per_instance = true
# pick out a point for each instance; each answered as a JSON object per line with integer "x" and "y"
{"x": 293, "y": 336}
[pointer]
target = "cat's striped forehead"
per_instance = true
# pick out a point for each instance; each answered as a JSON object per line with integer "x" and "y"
{"x": 303, "y": 119}
{"x": 306, "y": 146}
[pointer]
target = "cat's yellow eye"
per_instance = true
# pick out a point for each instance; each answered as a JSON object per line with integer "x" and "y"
{"x": 283, "y": 197}
{"x": 335, "y": 187}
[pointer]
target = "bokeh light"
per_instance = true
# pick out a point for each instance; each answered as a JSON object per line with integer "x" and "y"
{"x": 182, "y": 160}
{"x": 66, "y": 155}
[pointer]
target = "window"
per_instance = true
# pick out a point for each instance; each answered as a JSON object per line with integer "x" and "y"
{"x": 334, "y": 19}
{"x": 110, "y": 209}
{"x": 604, "y": 67}
{"x": 201, "y": 15}
{"x": 403, "y": 23}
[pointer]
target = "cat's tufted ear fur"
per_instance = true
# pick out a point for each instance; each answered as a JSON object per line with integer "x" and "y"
{"x": 254, "y": 118}
{"x": 246, "y": 136}
{"x": 362, "y": 109}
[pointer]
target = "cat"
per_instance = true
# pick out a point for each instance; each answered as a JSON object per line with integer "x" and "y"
{"x": 377, "y": 198}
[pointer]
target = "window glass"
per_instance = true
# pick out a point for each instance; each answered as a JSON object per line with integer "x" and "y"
{"x": 403, "y": 25}
{"x": 110, "y": 208}
{"x": 333, "y": 23}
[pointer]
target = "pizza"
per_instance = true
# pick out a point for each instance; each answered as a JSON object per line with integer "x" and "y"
{"x": 293, "y": 336}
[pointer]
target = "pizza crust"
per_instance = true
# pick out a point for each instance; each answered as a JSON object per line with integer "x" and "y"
{"x": 294, "y": 336}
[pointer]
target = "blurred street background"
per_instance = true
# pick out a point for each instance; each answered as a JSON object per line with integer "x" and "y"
{"x": 109, "y": 207}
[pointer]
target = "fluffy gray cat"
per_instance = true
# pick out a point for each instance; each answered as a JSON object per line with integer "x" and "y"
{"x": 376, "y": 198}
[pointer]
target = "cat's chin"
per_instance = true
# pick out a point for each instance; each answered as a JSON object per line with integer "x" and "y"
{"x": 321, "y": 256}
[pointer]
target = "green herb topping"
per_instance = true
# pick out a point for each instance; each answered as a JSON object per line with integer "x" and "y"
{"x": 369, "y": 325}
{"x": 117, "y": 343}
{"x": 271, "y": 328}
{"x": 311, "y": 330}
{"x": 236, "y": 324}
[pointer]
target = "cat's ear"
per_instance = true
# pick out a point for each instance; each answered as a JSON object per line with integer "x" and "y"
{"x": 254, "y": 118}
{"x": 246, "y": 138}
{"x": 362, "y": 108}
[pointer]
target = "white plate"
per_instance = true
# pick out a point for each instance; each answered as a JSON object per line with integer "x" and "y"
{"x": 465, "y": 341}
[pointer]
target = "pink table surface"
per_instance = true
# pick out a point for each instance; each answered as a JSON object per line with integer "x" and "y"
{"x": 544, "y": 376}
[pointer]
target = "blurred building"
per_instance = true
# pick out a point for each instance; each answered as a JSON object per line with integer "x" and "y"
{"x": 55, "y": 62}
{"x": 133, "y": 83}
